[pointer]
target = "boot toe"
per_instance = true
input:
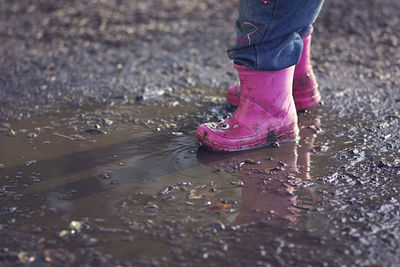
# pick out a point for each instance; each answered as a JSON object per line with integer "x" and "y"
{"x": 206, "y": 136}
{"x": 225, "y": 136}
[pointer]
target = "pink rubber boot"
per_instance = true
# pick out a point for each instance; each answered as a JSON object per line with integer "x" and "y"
{"x": 305, "y": 86}
{"x": 266, "y": 113}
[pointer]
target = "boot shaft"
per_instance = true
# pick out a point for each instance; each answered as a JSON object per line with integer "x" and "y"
{"x": 304, "y": 64}
{"x": 271, "y": 90}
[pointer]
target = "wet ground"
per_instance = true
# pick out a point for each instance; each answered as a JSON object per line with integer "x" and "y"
{"x": 99, "y": 165}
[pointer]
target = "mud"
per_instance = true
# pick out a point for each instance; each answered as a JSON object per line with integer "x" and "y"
{"x": 142, "y": 195}
{"x": 99, "y": 165}
{"x": 150, "y": 192}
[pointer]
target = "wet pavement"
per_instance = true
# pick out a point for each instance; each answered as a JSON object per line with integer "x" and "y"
{"x": 99, "y": 164}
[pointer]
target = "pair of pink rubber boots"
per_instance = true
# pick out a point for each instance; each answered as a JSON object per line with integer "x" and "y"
{"x": 267, "y": 103}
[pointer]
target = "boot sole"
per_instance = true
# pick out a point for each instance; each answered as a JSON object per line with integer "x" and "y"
{"x": 261, "y": 141}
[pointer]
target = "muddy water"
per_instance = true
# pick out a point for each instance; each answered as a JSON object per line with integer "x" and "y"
{"x": 103, "y": 187}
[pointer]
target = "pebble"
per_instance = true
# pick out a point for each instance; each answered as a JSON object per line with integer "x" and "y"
{"x": 12, "y": 133}
{"x": 106, "y": 122}
{"x": 32, "y": 135}
{"x": 30, "y": 163}
{"x": 7, "y": 210}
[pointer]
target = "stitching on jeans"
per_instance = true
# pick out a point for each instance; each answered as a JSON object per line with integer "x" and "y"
{"x": 252, "y": 32}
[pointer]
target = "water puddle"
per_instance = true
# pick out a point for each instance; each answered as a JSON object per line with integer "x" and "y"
{"x": 133, "y": 186}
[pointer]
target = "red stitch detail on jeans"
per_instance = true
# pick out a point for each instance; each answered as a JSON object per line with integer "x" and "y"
{"x": 265, "y": 2}
{"x": 242, "y": 40}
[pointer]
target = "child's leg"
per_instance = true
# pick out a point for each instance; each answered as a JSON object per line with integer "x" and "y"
{"x": 269, "y": 45}
{"x": 269, "y": 32}
{"x": 305, "y": 86}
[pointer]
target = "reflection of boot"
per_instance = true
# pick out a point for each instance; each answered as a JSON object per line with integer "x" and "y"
{"x": 270, "y": 191}
{"x": 266, "y": 113}
{"x": 305, "y": 87}
{"x": 308, "y": 125}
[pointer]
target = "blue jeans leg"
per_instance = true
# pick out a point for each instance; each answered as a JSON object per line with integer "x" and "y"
{"x": 269, "y": 32}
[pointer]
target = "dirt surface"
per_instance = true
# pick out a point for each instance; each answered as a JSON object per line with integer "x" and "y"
{"x": 99, "y": 165}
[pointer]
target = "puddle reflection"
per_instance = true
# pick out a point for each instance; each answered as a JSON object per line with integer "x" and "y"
{"x": 272, "y": 179}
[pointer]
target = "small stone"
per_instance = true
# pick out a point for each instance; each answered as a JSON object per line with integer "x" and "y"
{"x": 176, "y": 133}
{"x": 106, "y": 122}
{"x": 150, "y": 207}
{"x": 169, "y": 198}
{"x": 32, "y": 135}
{"x": 24, "y": 258}
{"x": 63, "y": 233}
{"x": 7, "y": 210}
{"x": 218, "y": 225}
{"x": 30, "y": 163}
{"x": 12, "y": 133}
{"x": 5, "y": 125}
{"x": 75, "y": 226}
{"x": 149, "y": 223}
{"x": 105, "y": 175}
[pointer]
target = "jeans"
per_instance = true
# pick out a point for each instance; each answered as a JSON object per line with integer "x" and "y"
{"x": 269, "y": 32}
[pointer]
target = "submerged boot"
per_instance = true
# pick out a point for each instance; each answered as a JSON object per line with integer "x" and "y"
{"x": 305, "y": 86}
{"x": 266, "y": 113}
